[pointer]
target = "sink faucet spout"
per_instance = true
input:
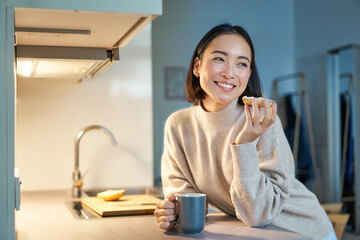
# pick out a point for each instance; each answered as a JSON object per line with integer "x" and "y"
{"x": 77, "y": 179}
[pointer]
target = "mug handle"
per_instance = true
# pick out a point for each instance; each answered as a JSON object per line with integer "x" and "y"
{"x": 175, "y": 222}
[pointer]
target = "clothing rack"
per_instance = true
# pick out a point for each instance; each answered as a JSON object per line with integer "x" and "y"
{"x": 343, "y": 64}
{"x": 297, "y": 88}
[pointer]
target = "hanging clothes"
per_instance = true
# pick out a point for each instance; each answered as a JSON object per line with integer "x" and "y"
{"x": 288, "y": 118}
{"x": 304, "y": 156}
{"x": 304, "y": 168}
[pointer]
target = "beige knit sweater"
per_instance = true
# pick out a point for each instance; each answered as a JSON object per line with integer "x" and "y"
{"x": 253, "y": 181}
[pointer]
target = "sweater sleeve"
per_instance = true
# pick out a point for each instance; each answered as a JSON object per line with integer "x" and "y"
{"x": 263, "y": 171}
{"x": 175, "y": 174}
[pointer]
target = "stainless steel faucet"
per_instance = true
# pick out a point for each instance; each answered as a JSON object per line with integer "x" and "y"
{"x": 77, "y": 179}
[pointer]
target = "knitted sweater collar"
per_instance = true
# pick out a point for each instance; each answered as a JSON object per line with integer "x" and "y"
{"x": 222, "y": 119}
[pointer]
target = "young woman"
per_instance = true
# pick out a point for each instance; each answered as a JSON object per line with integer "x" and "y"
{"x": 238, "y": 156}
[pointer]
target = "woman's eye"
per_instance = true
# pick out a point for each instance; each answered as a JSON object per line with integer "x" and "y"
{"x": 242, "y": 64}
{"x": 218, "y": 59}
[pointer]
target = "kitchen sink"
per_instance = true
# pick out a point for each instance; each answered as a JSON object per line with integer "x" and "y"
{"x": 82, "y": 212}
{"x": 79, "y": 211}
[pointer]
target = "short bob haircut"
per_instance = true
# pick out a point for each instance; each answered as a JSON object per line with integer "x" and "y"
{"x": 194, "y": 92}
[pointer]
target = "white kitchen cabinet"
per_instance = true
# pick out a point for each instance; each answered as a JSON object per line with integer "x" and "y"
{"x": 139, "y": 13}
{"x": 60, "y": 43}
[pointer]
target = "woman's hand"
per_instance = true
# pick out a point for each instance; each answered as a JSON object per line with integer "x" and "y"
{"x": 254, "y": 125}
{"x": 165, "y": 212}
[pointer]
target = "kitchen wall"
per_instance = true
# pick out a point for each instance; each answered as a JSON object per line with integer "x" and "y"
{"x": 320, "y": 26}
{"x": 289, "y": 37}
{"x": 176, "y": 33}
{"x": 51, "y": 112}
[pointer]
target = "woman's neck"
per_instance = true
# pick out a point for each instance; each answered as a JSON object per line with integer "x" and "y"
{"x": 211, "y": 106}
{"x": 222, "y": 119}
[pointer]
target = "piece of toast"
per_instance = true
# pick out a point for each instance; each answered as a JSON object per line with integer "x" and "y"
{"x": 111, "y": 195}
{"x": 260, "y": 101}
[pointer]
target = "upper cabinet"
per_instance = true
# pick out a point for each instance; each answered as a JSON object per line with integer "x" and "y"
{"x": 53, "y": 27}
{"x": 84, "y": 30}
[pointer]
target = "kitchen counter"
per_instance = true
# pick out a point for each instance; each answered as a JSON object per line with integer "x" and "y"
{"x": 44, "y": 215}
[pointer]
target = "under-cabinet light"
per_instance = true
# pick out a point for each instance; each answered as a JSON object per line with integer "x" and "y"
{"x": 72, "y": 63}
{"x": 26, "y": 68}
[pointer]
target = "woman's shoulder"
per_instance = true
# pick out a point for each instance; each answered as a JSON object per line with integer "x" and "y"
{"x": 179, "y": 116}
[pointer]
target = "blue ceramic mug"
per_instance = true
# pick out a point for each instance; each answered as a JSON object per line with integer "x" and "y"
{"x": 191, "y": 208}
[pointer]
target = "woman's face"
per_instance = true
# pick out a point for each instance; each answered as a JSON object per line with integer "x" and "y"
{"x": 223, "y": 70}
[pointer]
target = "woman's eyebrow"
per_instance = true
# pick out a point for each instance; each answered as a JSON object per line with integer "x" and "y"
{"x": 225, "y": 54}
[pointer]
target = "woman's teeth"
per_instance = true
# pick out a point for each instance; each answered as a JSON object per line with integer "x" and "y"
{"x": 224, "y": 85}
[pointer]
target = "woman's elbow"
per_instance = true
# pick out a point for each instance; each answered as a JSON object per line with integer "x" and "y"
{"x": 253, "y": 221}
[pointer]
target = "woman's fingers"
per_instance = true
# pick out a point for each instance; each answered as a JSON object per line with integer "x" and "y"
{"x": 166, "y": 218}
{"x": 257, "y": 121}
{"x": 170, "y": 197}
{"x": 269, "y": 115}
{"x": 248, "y": 114}
{"x": 256, "y": 113}
{"x": 260, "y": 120}
{"x": 267, "y": 119}
{"x": 164, "y": 208}
{"x": 164, "y": 225}
{"x": 273, "y": 112}
{"x": 165, "y": 204}
{"x": 164, "y": 212}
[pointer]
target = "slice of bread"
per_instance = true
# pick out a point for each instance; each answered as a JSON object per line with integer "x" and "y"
{"x": 111, "y": 195}
{"x": 260, "y": 101}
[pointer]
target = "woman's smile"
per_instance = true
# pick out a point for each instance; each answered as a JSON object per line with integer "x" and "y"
{"x": 227, "y": 87}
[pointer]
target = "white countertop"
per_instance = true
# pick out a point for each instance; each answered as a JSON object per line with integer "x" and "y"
{"x": 44, "y": 215}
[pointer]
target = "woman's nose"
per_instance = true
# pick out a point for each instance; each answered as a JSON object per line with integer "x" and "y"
{"x": 228, "y": 71}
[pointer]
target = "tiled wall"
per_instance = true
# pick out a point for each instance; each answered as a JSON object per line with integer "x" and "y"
{"x": 51, "y": 112}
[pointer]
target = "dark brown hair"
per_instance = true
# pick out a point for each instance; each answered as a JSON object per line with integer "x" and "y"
{"x": 194, "y": 92}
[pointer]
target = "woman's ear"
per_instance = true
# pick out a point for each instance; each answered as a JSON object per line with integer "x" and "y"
{"x": 196, "y": 67}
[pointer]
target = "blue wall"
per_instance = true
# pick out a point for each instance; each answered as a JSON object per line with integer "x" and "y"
{"x": 289, "y": 36}
{"x": 320, "y": 26}
{"x": 176, "y": 33}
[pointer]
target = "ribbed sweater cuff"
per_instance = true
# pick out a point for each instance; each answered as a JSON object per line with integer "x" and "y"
{"x": 245, "y": 160}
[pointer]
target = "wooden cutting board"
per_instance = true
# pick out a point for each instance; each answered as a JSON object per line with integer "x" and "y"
{"x": 126, "y": 205}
